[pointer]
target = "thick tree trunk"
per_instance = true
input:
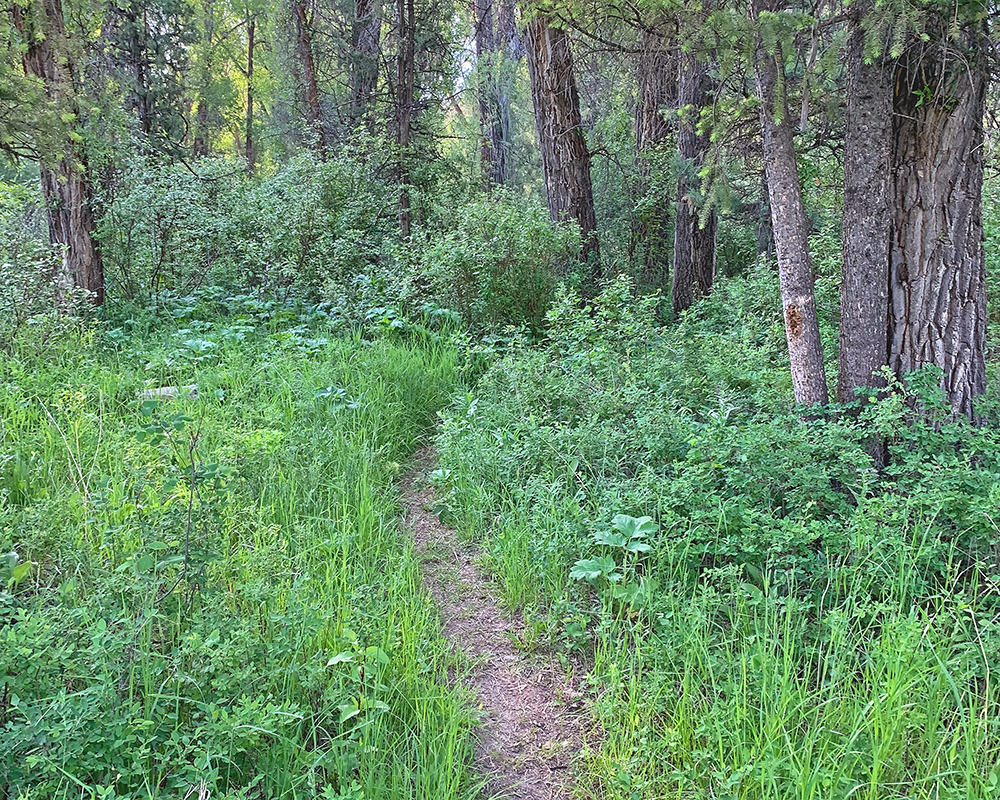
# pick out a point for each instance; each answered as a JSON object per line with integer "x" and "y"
{"x": 937, "y": 311}
{"x": 565, "y": 158}
{"x": 304, "y": 53}
{"x": 864, "y": 292}
{"x": 694, "y": 242}
{"x": 405, "y": 81}
{"x": 364, "y": 77}
{"x": 66, "y": 185}
{"x": 495, "y": 75}
{"x": 656, "y": 73}
{"x": 788, "y": 218}
{"x": 249, "y": 152}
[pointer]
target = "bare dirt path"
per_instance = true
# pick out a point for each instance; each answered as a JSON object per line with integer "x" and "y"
{"x": 532, "y": 721}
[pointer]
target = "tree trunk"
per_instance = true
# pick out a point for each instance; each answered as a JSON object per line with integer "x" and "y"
{"x": 65, "y": 182}
{"x": 494, "y": 75}
{"x": 507, "y": 33}
{"x": 937, "y": 312}
{"x": 303, "y": 50}
{"x": 694, "y": 242}
{"x": 200, "y": 145}
{"x": 405, "y": 80}
{"x": 565, "y": 158}
{"x": 250, "y": 153}
{"x": 864, "y": 292}
{"x": 765, "y": 235}
{"x": 656, "y": 73}
{"x": 788, "y": 218}
{"x": 140, "y": 65}
{"x": 364, "y": 77}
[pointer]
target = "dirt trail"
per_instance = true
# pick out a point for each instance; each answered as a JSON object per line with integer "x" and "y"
{"x": 532, "y": 717}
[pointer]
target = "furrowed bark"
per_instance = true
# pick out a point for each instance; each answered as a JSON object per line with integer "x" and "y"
{"x": 66, "y": 186}
{"x": 694, "y": 242}
{"x": 937, "y": 312}
{"x": 565, "y": 158}
{"x": 864, "y": 293}
{"x": 494, "y": 96}
{"x": 656, "y": 74}
{"x": 364, "y": 78}
{"x": 304, "y": 52}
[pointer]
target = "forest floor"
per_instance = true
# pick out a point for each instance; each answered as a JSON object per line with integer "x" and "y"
{"x": 532, "y": 723}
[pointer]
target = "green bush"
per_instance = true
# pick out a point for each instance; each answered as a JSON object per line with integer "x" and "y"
{"x": 30, "y": 297}
{"x": 500, "y": 264}
{"x": 770, "y": 612}
{"x": 312, "y": 225}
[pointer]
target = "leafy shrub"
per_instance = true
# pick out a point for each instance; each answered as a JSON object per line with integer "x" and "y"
{"x": 33, "y": 306}
{"x": 500, "y": 264}
{"x": 313, "y": 225}
{"x": 739, "y": 574}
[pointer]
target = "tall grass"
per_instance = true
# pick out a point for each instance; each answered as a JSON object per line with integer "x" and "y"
{"x": 259, "y": 630}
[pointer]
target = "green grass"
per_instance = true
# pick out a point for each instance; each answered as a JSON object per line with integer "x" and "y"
{"x": 801, "y": 626}
{"x": 258, "y": 631}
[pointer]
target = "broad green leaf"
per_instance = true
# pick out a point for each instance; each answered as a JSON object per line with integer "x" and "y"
{"x": 594, "y": 568}
{"x": 610, "y": 539}
{"x": 377, "y": 653}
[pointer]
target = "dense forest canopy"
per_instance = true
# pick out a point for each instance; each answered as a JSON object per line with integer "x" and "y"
{"x": 691, "y": 297}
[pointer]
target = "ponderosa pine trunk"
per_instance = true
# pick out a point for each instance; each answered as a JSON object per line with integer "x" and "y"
{"x": 364, "y": 75}
{"x": 694, "y": 232}
{"x": 565, "y": 158}
{"x": 304, "y": 52}
{"x": 788, "y": 219}
{"x": 656, "y": 73}
{"x": 66, "y": 187}
{"x": 937, "y": 311}
{"x": 404, "y": 94}
{"x": 864, "y": 293}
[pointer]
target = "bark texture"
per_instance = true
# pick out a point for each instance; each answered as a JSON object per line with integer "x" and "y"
{"x": 364, "y": 78}
{"x": 694, "y": 242}
{"x": 937, "y": 309}
{"x": 656, "y": 74}
{"x": 404, "y": 91}
{"x": 494, "y": 74}
{"x": 310, "y": 88}
{"x": 864, "y": 293}
{"x": 66, "y": 187}
{"x": 565, "y": 158}
{"x": 788, "y": 218}
{"x": 510, "y": 38}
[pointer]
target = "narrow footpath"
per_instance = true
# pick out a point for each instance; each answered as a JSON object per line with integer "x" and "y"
{"x": 532, "y": 723}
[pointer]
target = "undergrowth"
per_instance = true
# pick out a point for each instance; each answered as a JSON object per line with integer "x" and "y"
{"x": 208, "y": 594}
{"x": 767, "y": 611}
